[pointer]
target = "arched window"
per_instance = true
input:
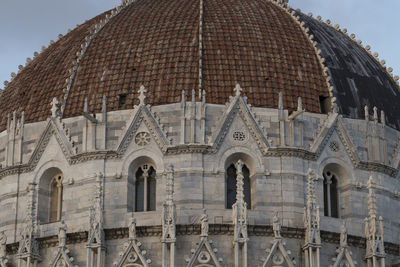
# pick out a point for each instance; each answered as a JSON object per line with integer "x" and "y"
{"x": 331, "y": 205}
{"x": 231, "y": 186}
{"x": 145, "y": 188}
{"x": 50, "y": 196}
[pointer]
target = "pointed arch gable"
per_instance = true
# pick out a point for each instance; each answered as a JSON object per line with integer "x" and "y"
{"x": 239, "y": 107}
{"x": 143, "y": 114}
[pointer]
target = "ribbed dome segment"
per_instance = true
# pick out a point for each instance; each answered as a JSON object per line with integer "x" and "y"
{"x": 156, "y": 43}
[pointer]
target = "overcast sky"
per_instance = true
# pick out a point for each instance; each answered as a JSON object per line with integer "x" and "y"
{"x": 26, "y": 25}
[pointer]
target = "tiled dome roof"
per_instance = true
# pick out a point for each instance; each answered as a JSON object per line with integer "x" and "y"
{"x": 255, "y": 43}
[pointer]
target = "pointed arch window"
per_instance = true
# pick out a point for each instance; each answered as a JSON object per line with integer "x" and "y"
{"x": 331, "y": 205}
{"x": 231, "y": 186}
{"x": 145, "y": 188}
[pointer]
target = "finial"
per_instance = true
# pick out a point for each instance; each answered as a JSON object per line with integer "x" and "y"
{"x": 54, "y": 108}
{"x": 376, "y": 114}
{"x": 280, "y": 104}
{"x": 142, "y": 97}
{"x": 299, "y": 104}
{"x": 239, "y": 181}
{"x": 237, "y": 90}
{"x": 86, "y": 106}
{"x": 170, "y": 182}
{"x": 193, "y": 96}
{"x": 203, "y": 97}
{"x": 183, "y": 97}
{"x": 383, "y": 118}
{"x": 366, "y": 113}
{"x": 104, "y": 106}
{"x": 371, "y": 198}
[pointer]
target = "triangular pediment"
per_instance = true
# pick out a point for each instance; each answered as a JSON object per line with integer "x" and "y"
{"x": 143, "y": 117}
{"x": 133, "y": 256}
{"x": 330, "y": 133}
{"x": 278, "y": 255}
{"x": 238, "y": 109}
{"x": 52, "y": 141}
{"x": 344, "y": 258}
{"x": 62, "y": 259}
{"x": 203, "y": 256}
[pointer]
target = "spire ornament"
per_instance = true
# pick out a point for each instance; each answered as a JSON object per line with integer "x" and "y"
{"x": 312, "y": 224}
{"x": 239, "y": 217}
{"x": 168, "y": 238}
{"x": 374, "y": 232}
{"x": 28, "y": 249}
{"x": 96, "y": 244}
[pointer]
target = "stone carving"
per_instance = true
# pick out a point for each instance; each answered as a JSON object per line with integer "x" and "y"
{"x": 278, "y": 254}
{"x": 168, "y": 222}
{"x": 375, "y": 250}
{"x": 142, "y": 95}
{"x": 311, "y": 223}
{"x": 62, "y": 258}
{"x": 96, "y": 243}
{"x": 204, "y": 254}
{"x": 3, "y": 252}
{"x": 55, "y": 111}
{"x": 276, "y": 225}
{"x": 343, "y": 257}
{"x": 238, "y": 105}
{"x": 132, "y": 255}
{"x": 239, "y": 217}
{"x": 142, "y": 138}
{"x": 144, "y": 115}
{"x": 28, "y": 249}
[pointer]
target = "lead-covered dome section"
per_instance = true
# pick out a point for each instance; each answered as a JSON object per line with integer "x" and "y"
{"x": 156, "y": 43}
{"x": 358, "y": 79}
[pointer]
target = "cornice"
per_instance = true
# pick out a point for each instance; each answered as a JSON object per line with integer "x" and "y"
{"x": 215, "y": 229}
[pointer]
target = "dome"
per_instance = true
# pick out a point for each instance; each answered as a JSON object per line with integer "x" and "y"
{"x": 257, "y": 44}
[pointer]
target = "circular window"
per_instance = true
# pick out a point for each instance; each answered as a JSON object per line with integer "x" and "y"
{"x": 334, "y": 146}
{"x": 142, "y": 138}
{"x": 239, "y": 136}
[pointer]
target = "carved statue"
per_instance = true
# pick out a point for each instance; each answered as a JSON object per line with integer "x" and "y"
{"x": 62, "y": 234}
{"x": 204, "y": 224}
{"x": 276, "y": 225}
{"x": 132, "y": 229}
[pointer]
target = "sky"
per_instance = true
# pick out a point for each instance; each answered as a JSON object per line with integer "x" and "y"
{"x": 26, "y": 25}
